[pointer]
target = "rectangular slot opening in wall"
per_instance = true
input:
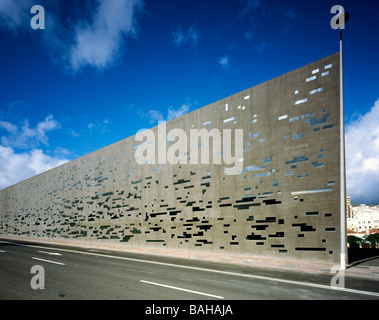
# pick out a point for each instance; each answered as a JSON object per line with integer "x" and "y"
{"x": 226, "y": 107}
{"x": 294, "y": 119}
{"x": 328, "y": 66}
{"x": 310, "y": 79}
{"x": 301, "y": 101}
{"x": 312, "y": 213}
{"x": 311, "y": 191}
{"x": 228, "y": 120}
{"x": 297, "y": 136}
{"x": 307, "y": 115}
{"x": 316, "y": 90}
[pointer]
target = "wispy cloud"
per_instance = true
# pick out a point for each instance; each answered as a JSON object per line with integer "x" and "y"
{"x": 172, "y": 113}
{"x": 256, "y": 14}
{"x": 253, "y": 13}
{"x": 73, "y": 133}
{"x": 362, "y": 157}
{"x": 25, "y": 137}
{"x": 188, "y": 36}
{"x": 178, "y": 36}
{"x": 101, "y": 126}
{"x": 250, "y": 6}
{"x": 290, "y": 13}
{"x": 98, "y": 44}
{"x": 224, "y": 62}
{"x": 260, "y": 47}
{"x": 97, "y": 41}
{"x": 14, "y": 14}
{"x": 228, "y": 65}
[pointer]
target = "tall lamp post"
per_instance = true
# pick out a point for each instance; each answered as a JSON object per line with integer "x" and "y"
{"x": 338, "y": 22}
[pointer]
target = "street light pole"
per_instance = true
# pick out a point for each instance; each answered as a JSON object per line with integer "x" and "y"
{"x": 342, "y": 167}
{"x": 338, "y": 22}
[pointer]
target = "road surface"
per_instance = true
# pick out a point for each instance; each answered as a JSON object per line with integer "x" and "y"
{"x": 80, "y": 273}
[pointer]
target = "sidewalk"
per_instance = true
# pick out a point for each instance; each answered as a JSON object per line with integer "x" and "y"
{"x": 364, "y": 270}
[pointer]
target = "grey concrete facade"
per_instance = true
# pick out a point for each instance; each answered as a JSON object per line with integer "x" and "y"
{"x": 284, "y": 201}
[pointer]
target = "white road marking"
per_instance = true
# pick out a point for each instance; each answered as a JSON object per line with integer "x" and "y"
{"x": 306, "y": 284}
{"x": 181, "y": 289}
{"x": 2, "y": 251}
{"x": 50, "y": 253}
{"x": 39, "y": 259}
{"x": 95, "y": 250}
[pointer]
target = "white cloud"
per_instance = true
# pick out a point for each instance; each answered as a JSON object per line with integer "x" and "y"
{"x": 224, "y": 61}
{"x": 172, "y": 113}
{"x": 189, "y": 36}
{"x": 14, "y": 14}
{"x": 16, "y": 167}
{"x": 73, "y": 133}
{"x": 26, "y": 137}
{"x": 362, "y": 157}
{"x": 156, "y": 116}
{"x": 227, "y": 64}
{"x": 98, "y": 44}
{"x": 99, "y": 126}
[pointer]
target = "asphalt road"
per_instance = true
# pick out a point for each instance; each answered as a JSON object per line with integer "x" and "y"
{"x": 88, "y": 274}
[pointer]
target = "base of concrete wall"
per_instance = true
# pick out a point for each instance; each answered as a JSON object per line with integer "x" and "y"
{"x": 235, "y": 259}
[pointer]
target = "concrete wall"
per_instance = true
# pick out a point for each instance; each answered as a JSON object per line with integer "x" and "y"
{"x": 283, "y": 203}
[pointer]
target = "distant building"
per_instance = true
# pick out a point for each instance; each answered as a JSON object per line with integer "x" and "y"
{"x": 363, "y": 218}
{"x": 349, "y": 207}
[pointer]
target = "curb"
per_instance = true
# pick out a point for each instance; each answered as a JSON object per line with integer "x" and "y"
{"x": 244, "y": 260}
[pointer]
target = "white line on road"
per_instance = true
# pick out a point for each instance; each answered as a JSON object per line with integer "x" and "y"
{"x": 60, "y": 263}
{"x": 2, "y": 251}
{"x": 306, "y": 284}
{"x": 51, "y": 253}
{"x": 181, "y": 289}
{"x": 95, "y": 250}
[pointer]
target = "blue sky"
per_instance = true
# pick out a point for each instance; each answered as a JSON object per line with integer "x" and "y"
{"x": 101, "y": 70}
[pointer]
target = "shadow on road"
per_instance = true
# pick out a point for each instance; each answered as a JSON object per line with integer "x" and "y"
{"x": 368, "y": 256}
